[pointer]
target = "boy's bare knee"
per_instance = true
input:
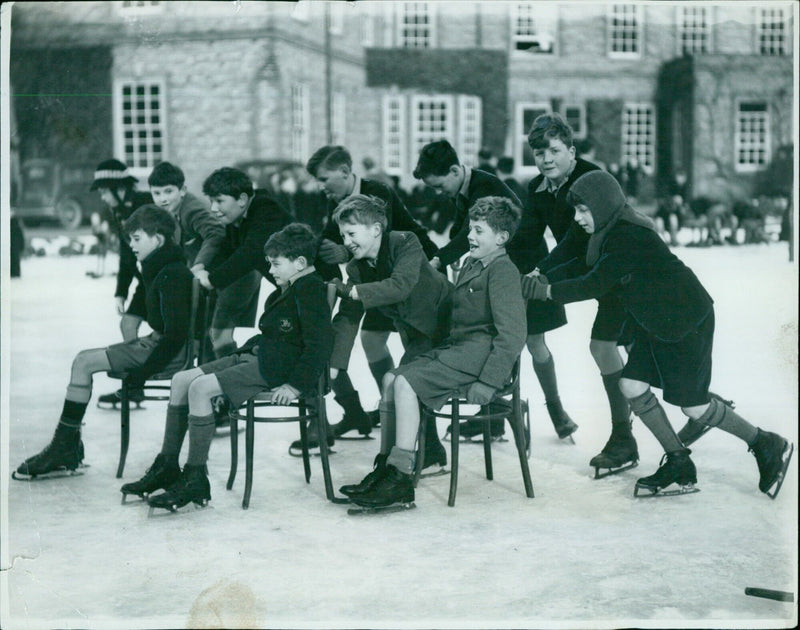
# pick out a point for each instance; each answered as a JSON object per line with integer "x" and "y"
{"x": 388, "y": 381}
{"x": 401, "y": 386}
{"x": 538, "y": 348}
{"x": 632, "y": 389}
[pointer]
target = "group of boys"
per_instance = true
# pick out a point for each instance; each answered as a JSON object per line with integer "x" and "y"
{"x": 460, "y": 339}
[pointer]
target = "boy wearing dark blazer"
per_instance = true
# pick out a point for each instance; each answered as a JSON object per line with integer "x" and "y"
{"x": 672, "y": 320}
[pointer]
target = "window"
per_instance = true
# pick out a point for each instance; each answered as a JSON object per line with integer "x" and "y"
{"x": 525, "y": 115}
{"x": 415, "y": 25}
{"x": 751, "y": 141}
{"x": 301, "y": 10}
{"x": 625, "y": 30}
{"x": 300, "y": 122}
{"x": 639, "y": 135}
{"x": 367, "y": 29}
{"x": 773, "y": 31}
{"x": 139, "y": 123}
{"x": 575, "y": 115}
{"x": 693, "y": 30}
{"x": 394, "y": 134}
{"x": 533, "y": 27}
{"x": 431, "y": 120}
{"x": 336, "y": 13}
{"x": 469, "y": 129}
{"x": 338, "y": 118}
{"x": 139, "y": 7}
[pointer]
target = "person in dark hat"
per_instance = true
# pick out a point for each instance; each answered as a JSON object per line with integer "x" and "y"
{"x": 117, "y": 189}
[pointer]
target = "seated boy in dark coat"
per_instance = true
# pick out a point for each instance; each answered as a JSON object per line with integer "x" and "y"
{"x": 167, "y": 286}
{"x": 487, "y": 334}
{"x": 286, "y": 358}
{"x": 672, "y": 321}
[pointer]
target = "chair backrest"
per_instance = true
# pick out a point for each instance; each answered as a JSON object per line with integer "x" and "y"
{"x": 197, "y": 324}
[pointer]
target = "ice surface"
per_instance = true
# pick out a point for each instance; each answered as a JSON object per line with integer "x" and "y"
{"x": 582, "y": 554}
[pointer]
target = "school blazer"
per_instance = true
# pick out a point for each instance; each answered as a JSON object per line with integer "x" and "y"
{"x": 410, "y": 292}
{"x": 199, "y": 233}
{"x": 296, "y": 337}
{"x": 489, "y": 326}
{"x": 657, "y": 290}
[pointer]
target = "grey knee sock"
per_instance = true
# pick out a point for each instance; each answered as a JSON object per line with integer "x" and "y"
{"x": 546, "y": 373}
{"x": 652, "y": 414}
{"x": 620, "y": 412}
{"x": 175, "y": 429}
{"x": 388, "y": 426}
{"x": 201, "y": 432}
{"x": 402, "y": 459}
{"x": 723, "y": 417}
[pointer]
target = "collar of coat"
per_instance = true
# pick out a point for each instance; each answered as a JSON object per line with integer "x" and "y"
{"x": 473, "y": 266}
{"x": 168, "y": 253}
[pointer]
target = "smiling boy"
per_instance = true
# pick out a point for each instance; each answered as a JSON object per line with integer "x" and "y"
{"x": 167, "y": 284}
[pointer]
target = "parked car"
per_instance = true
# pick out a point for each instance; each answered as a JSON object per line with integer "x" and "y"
{"x": 50, "y": 189}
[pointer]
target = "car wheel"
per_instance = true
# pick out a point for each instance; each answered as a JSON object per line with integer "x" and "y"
{"x": 69, "y": 213}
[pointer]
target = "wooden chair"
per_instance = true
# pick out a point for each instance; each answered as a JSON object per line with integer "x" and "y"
{"x": 197, "y": 326}
{"x": 519, "y": 425}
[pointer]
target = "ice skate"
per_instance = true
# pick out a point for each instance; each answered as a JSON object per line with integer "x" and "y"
{"x": 619, "y": 454}
{"x": 354, "y": 419}
{"x": 296, "y": 447}
{"x": 471, "y": 430}
{"x": 773, "y": 454}
{"x": 394, "y": 492}
{"x": 562, "y": 423}
{"x": 112, "y": 400}
{"x": 368, "y": 482}
{"x": 693, "y": 430}
{"x": 63, "y": 457}
{"x": 435, "y": 455}
{"x": 161, "y": 475}
{"x": 675, "y": 468}
{"x": 190, "y": 487}
{"x": 374, "y": 417}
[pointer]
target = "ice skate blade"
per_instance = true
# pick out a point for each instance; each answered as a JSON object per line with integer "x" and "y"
{"x": 613, "y": 470}
{"x": 355, "y": 438}
{"x": 115, "y": 406}
{"x": 53, "y": 474}
{"x": 441, "y": 472}
{"x": 312, "y": 453}
{"x": 169, "y": 510}
{"x": 689, "y": 488}
{"x": 776, "y": 487}
{"x": 476, "y": 439}
{"x": 359, "y": 510}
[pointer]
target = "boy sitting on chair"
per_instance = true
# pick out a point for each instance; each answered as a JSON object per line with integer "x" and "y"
{"x": 167, "y": 284}
{"x": 389, "y": 273}
{"x": 488, "y": 333}
{"x": 286, "y": 358}
{"x": 672, "y": 317}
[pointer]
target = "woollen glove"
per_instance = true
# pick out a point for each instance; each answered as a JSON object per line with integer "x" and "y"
{"x": 535, "y": 287}
{"x": 342, "y": 289}
{"x": 480, "y": 393}
{"x": 332, "y": 253}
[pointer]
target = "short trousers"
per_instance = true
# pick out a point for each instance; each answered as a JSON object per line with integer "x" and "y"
{"x": 682, "y": 369}
{"x": 138, "y": 304}
{"x": 376, "y": 321}
{"x": 237, "y": 304}
{"x": 544, "y": 315}
{"x": 132, "y": 354}
{"x": 433, "y": 382}
{"x": 610, "y": 318}
{"x": 238, "y": 376}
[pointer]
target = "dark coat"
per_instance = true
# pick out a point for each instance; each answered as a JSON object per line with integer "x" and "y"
{"x": 199, "y": 233}
{"x": 296, "y": 336}
{"x": 407, "y": 290}
{"x": 242, "y": 250}
{"x": 399, "y": 218}
{"x": 168, "y": 290}
{"x": 480, "y": 185}
{"x": 661, "y": 293}
{"x": 127, "y": 259}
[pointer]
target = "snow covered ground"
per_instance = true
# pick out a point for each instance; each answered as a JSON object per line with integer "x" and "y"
{"x": 582, "y": 554}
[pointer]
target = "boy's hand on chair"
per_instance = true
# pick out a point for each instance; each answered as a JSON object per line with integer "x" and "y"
{"x": 535, "y": 287}
{"x": 284, "y": 394}
{"x": 342, "y": 290}
{"x": 333, "y": 253}
{"x": 119, "y": 302}
{"x": 480, "y": 393}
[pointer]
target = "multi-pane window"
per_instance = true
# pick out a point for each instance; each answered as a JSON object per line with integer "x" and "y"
{"x": 639, "y": 135}
{"x": 140, "y": 125}
{"x": 469, "y": 129}
{"x": 338, "y": 118}
{"x": 301, "y": 10}
{"x": 773, "y": 31}
{"x": 751, "y": 141}
{"x": 533, "y": 27}
{"x": 693, "y": 29}
{"x": 415, "y": 25}
{"x": 526, "y": 114}
{"x": 140, "y": 6}
{"x": 575, "y": 115}
{"x": 367, "y": 28}
{"x": 431, "y": 120}
{"x": 300, "y": 122}
{"x": 394, "y": 134}
{"x": 625, "y": 30}
{"x": 336, "y": 24}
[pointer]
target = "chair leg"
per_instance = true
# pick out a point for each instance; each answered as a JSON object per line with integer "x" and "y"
{"x": 455, "y": 437}
{"x": 249, "y": 439}
{"x": 125, "y": 427}
{"x": 519, "y": 439}
{"x": 234, "y": 450}
{"x": 322, "y": 427}
{"x": 303, "y": 417}
{"x": 420, "y": 460}
{"x": 487, "y": 445}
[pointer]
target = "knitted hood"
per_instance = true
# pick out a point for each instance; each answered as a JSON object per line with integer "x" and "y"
{"x": 600, "y": 192}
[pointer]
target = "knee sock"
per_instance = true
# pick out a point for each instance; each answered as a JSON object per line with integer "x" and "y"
{"x": 201, "y": 432}
{"x": 379, "y": 369}
{"x": 546, "y": 373}
{"x": 652, "y": 414}
{"x": 620, "y": 410}
{"x": 175, "y": 429}
{"x": 341, "y": 385}
{"x": 72, "y": 414}
{"x": 402, "y": 459}
{"x": 388, "y": 428}
{"x": 723, "y": 417}
{"x": 225, "y": 349}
